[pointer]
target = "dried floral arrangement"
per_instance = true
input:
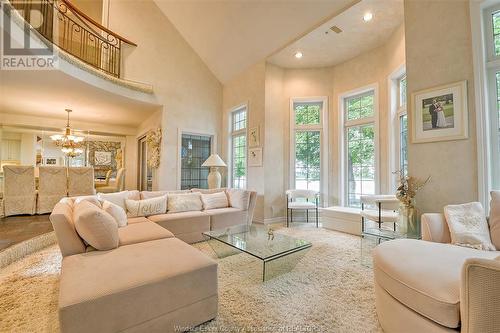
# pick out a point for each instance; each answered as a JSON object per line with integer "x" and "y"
{"x": 153, "y": 140}
{"x": 408, "y": 188}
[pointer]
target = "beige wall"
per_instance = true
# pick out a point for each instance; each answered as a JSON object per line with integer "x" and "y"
{"x": 439, "y": 51}
{"x": 247, "y": 88}
{"x": 190, "y": 94}
{"x": 92, "y": 8}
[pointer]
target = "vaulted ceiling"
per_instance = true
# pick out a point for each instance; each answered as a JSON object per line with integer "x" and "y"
{"x": 232, "y": 35}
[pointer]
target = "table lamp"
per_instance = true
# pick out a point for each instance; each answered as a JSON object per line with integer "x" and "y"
{"x": 214, "y": 177}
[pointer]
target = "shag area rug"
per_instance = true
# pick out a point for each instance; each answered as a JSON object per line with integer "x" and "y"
{"x": 328, "y": 290}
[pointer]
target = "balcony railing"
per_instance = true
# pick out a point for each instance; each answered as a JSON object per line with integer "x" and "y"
{"x": 74, "y": 32}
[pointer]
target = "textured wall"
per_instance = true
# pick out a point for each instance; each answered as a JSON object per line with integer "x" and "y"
{"x": 439, "y": 51}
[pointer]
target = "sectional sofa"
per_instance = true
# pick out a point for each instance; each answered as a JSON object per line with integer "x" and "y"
{"x": 153, "y": 281}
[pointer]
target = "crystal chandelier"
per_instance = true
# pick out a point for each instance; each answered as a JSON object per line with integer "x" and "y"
{"x": 71, "y": 145}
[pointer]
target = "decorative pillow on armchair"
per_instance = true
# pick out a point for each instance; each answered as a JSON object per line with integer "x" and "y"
{"x": 468, "y": 226}
{"x": 148, "y": 207}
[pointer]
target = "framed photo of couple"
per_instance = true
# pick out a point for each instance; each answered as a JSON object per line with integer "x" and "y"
{"x": 440, "y": 113}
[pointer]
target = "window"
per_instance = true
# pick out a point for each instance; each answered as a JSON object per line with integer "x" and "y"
{"x": 306, "y": 146}
{"x": 403, "y": 126}
{"x": 239, "y": 148}
{"x": 195, "y": 149}
{"x": 359, "y": 125}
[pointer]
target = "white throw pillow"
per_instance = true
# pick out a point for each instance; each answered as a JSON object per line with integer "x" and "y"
{"x": 117, "y": 212}
{"x": 468, "y": 226}
{"x": 178, "y": 203}
{"x": 118, "y": 198}
{"x": 152, "y": 194}
{"x": 148, "y": 207}
{"x": 214, "y": 200}
{"x": 239, "y": 198}
{"x": 90, "y": 198}
{"x": 95, "y": 226}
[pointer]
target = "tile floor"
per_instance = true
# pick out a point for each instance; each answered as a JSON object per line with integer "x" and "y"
{"x": 15, "y": 229}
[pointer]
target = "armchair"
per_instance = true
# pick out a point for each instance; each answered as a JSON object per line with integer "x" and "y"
{"x": 311, "y": 203}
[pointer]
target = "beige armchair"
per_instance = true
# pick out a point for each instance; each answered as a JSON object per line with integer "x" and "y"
{"x": 105, "y": 182}
{"x": 19, "y": 193}
{"x": 80, "y": 181}
{"x": 116, "y": 185}
{"x": 430, "y": 285}
{"x": 52, "y": 186}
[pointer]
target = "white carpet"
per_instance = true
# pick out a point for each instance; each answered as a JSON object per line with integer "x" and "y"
{"x": 327, "y": 291}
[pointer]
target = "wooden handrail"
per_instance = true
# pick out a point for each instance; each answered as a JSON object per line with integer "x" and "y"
{"x": 99, "y": 25}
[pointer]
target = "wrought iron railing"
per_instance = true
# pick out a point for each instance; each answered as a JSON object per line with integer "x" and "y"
{"x": 74, "y": 32}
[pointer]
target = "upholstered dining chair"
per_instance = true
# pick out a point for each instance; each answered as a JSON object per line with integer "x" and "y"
{"x": 80, "y": 181}
{"x": 116, "y": 185}
{"x": 19, "y": 193}
{"x": 304, "y": 200}
{"x": 52, "y": 187}
{"x": 105, "y": 182}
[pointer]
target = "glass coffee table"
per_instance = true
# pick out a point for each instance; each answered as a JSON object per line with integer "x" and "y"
{"x": 259, "y": 242}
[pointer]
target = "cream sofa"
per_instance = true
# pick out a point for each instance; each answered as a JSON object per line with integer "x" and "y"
{"x": 430, "y": 285}
{"x": 152, "y": 282}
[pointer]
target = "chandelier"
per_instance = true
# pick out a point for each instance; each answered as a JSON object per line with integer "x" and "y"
{"x": 71, "y": 145}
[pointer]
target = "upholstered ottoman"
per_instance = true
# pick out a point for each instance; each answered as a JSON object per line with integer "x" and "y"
{"x": 162, "y": 285}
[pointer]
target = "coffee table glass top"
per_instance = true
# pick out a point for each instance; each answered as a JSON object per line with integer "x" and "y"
{"x": 256, "y": 241}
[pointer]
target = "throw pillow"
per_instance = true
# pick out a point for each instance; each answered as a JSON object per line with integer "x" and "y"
{"x": 209, "y": 191}
{"x": 148, "y": 207}
{"x": 178, "y": 203}
{"x": 239, "y": 198}
{"x": 90, "y": 198}
{"x": 468, "y": 225}
{"x": 117, "y": 212}
{"x": 495, "y": 218}
{"x": 152, "y": 194}
{"x": 214, "y": 200}
{"x": 95, "y": 226}
{"x": 118, "y": 198}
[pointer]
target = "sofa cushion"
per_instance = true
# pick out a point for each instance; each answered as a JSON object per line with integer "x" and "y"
{"x": 142, "y": 232}
{"x": 116, "y": 290}
{"x": 181, "y": 223}
{"x": 226, "y": 217}
{"x": 239, "y": 198}
{"x": 424, "y": 276}
{"x": 132, "y": 220}
{"x": 117, "y": 212}
{"x": 209, "y": 191}
{"x": 67, "y": 238}
{"x": 214, "y": 200}
{"x": 178, "y": 203}
{"x": 90, "y": 198}
{"x": 95, "y": 226}
{"x": 152, "y": 194}
{"x": 494, "y": 220}
{"x": 468, "y": 226}
{"x": 118, "y": 198}
{"x": 147, "y": 207}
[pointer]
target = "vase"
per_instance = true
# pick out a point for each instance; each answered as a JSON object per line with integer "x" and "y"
{"x": 407, "y": 223}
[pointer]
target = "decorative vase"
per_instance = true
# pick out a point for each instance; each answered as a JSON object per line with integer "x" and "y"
{"x": 407, "y": 223}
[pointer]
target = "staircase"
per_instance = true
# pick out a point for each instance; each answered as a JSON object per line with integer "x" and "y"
{"x": 64, "y": 25}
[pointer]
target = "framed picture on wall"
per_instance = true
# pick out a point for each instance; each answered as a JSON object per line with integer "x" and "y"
{"x": 102, "y": 158}
{"x": 51, "y": 161}
{"x": 255, "y": 157}
{"x": 440, "y": 113}
{"x": 253, "y": 137}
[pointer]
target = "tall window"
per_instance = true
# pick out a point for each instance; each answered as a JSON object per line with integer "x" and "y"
{"x": 195, "y": 149}
{"x": 307, "y": 130}
{"x": 239, "y": 148}
{"x": 360, "y": 146}
{"x": 403, "y": 126}
{"x": 492, "y": 49}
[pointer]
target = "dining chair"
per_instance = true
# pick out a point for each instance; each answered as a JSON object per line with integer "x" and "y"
{"x": 52, "y": 187}
{"x": 80, "y": 181}
{"x": 304, "y": 200}
{"x": 116, "y": 185}
{"x": 19, "y": 192}
{"x": 105, "y": 182}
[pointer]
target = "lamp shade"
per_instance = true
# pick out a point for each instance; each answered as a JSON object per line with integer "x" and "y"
{"x": 214, "y": 161}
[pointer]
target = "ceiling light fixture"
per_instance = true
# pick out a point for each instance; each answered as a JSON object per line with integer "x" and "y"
{"x": 70, "y": 144}
{"x": 298, "y": 55}
{"x": 367, "y": 17}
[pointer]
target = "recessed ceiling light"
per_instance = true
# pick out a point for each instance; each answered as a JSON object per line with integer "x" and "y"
{"x": 298, "y": 54}
{"x": 367, "y": 17}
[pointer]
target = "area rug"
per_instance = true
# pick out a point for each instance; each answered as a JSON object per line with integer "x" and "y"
{"x": 328, "y": 290}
